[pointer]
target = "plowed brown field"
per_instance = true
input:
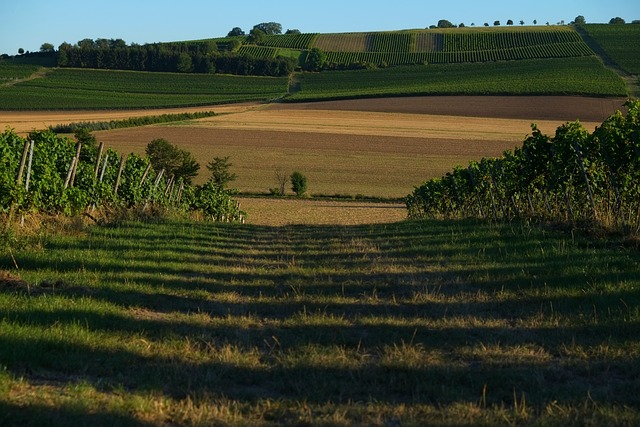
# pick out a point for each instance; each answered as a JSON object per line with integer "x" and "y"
{"x": 373, "y": 147}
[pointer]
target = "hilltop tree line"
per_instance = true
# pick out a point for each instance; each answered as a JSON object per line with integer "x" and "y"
{"x": 444, "y": 23}
{"x": 187, "y": 57}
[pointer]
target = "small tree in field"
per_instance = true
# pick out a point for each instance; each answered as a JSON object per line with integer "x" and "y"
{"x": 298, "y": 183}
{"x": 174, "y": 161}
{"x": 220, "y": 174}
{"x": 282, "y": 179}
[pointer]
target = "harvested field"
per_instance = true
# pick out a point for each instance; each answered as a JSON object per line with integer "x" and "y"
{"x": 373, "y": 147}
{"x": 26, "y": 121}
{"x": 279, "y": 212}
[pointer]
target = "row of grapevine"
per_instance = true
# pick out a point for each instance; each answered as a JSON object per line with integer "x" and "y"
{"x": 343, "y": 42}
{"x": 390, "y": 42}
{"x": 290, "y": 41}
{"x": 258, "y": 51}
{"x": 467, "y": 41}
{"x": 568, "y": 50}
{"x": 50, "y": 174}
{"x": 573, "y": 176}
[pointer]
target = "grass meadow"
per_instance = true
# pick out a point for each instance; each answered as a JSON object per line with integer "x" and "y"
{"x": 406, "y": 323}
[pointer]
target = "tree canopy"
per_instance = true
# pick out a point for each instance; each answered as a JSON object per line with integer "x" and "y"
{"x": 580, "y": 20}
{"x": 269, "y": 28}
{"x": 175, "y": 161}
{"x": 443, "y": 23}
{"x": 235, "y": 31}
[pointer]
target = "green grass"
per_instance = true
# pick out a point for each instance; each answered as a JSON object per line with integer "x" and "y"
{"x": 620, "y": 42}
{"x": 10, "y": 71}
{"x": 74, "y": 88}
{"x": 197, "y": 323}
{"x": 574, "y": 76}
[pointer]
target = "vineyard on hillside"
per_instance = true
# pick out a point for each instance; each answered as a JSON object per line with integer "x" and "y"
{"x": 434, "y": 46}
{"x": 66, "y": 88}
{"x": 586, "y": 76}
{"x": 574, "y": 176}
{"x": 620, "y": 42}
{"x": 50, "y": 174}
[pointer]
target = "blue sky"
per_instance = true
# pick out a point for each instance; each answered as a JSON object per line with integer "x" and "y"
{"x": 28, "y": 24}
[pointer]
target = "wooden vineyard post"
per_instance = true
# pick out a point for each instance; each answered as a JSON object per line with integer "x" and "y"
{"x": 29, "y": 164}
{"x": 153, "y": 190}
{"x": 120, "y": 169}
{"x": 75, "y": 164}
{"x": 144, "y": 175}
{"x": 23, "y": 161}
{"x": 104, "y": 166}
{"x": 69, "y": 172}
{"x": 97, "y": 167}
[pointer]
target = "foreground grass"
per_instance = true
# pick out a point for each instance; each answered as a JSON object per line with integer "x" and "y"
{"x": 180, "y": 323}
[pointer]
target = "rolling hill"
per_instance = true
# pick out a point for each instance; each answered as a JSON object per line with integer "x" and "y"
{"x": 548, "y": 60}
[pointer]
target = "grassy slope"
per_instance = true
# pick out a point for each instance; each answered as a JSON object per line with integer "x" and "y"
{"x": 620, "y": 42}
{"x": 457, "y": 322}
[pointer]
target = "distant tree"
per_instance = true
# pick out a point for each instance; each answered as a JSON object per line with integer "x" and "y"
{"x": 175, "y": 162}
{"x": 117, "y": 43}
{"x": 461, "y": 25}
{"x": 473, "y": 24}
{"x": 509, "y": 22}
{"x": 188, "y": 168}
{"x": 617, "y": 20}
{"x": 234, "y": 45}
{"x": 89, "y": 143}
{"x": 20, "y": 51}
{"x": 432, "y": 27}
{"x": 486, "y": 24}
{"x": 496, "y": 23}
{"x": 62, "y": 60}
{"x": 220, "y": 172}
{"x": 235, "y": 31}
{"x": 636, "y": 21}
{"x": 293, "y": 31}
{"x": 281, "y": 178}
{"x": 101, "y": 44}
{"x": 86, "y": 44}
{"x": 521, "y": 22}
{"x": 269, "y": 28}
{"x": 46, "y": 47}
{"x": 535, "y": 22}
{"x": 185, "y": 63}
{"x": 579, "y": 20}
{"x": 443, "y": 23}
{"x": 298, "y": 183}
{"x": 256, "y": 36}
{"x": 316, "y": 59}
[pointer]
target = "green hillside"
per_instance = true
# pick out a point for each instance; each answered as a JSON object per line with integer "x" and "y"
{"x": 432, "y": 46}
{"x": 541, "y": 60}
{"x": 621, "y": 43}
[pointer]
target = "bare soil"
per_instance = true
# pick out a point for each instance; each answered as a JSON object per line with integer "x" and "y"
{"x": 563, "y": 108}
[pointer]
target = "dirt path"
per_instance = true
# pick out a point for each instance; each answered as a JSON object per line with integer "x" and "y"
{"x": 38, "y": 74}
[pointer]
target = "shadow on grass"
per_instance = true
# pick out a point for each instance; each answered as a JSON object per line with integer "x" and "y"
{"x": 42, "y": 415}
{"x": 381, "y": 286}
